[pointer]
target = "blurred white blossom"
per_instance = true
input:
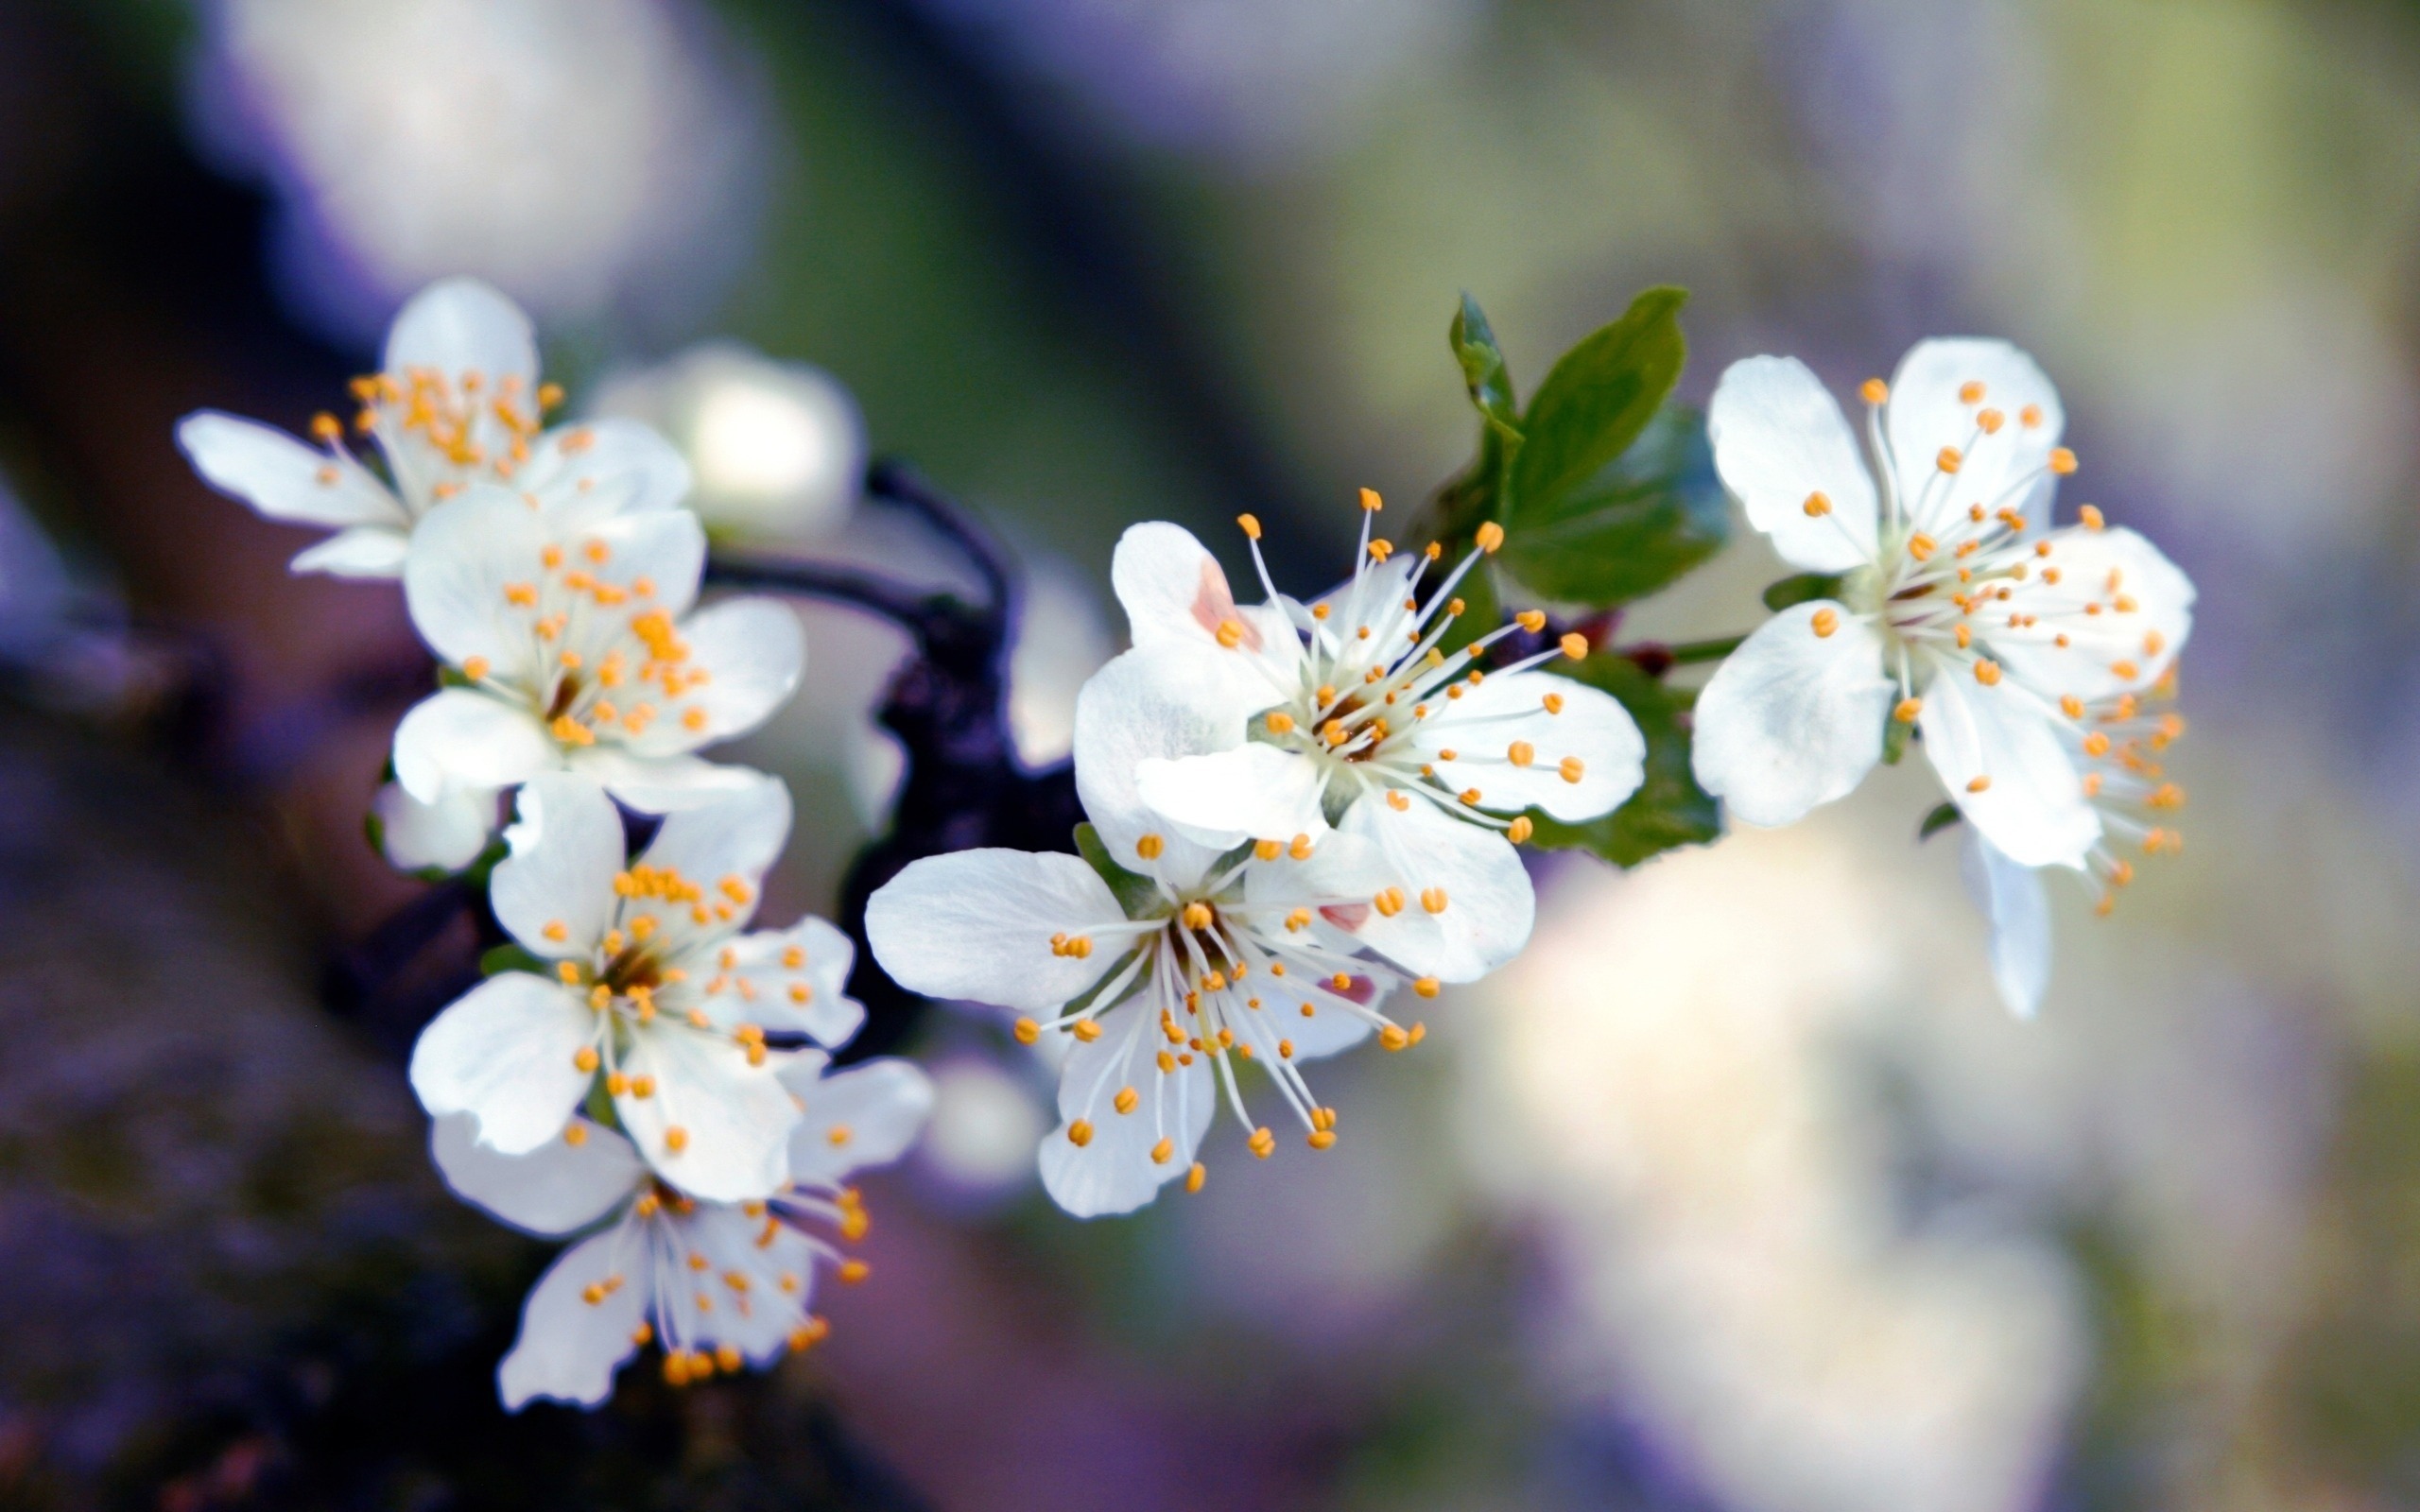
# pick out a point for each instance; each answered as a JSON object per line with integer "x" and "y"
{"x": 587, "y": 156}
{"x": 1673, "y": 1085}
{"x": 777, "y": 448}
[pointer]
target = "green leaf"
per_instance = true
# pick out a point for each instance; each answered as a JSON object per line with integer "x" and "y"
{"x": 1639, "y": 522}
{"x": 1130, "y": 889}
{"x": 510, "y": 958}
{"x": 1804, "y": 589}
{"x": 1483, "y": 372}
{"x": 1938, "y": 820}
{"x": 1669, "y": 809}
{"x": 1597, "y": 401}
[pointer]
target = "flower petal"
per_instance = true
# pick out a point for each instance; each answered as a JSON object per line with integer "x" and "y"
{"x": 504, "y": 1054}
{"x": 2016, "y": 905}
{"x": 734, "y": 1118}
{"x": 809, "y": 997}
{"x": 1254, "y": 791}
{"x": 739, "y": 835}
{"x": 364, "y": 551}
{"x": 1512, "y": 735}
{"x": 1488, "y": 904}
{"x": 1792, "y": 719}
{"x": 1779, "y": 440}
{"x": 1145, "y": 705}
{"x": 569, "y": 1346}
{"x": 555, "y": 893}
{"x": 609, "y": 466}
{"x": 1176, "y": 595}
{"x": 2121, "y": 609}
{"x": 2030, "y": 804}
{"x": 660, "y": 784}
{"x": 447, "y": 834}
{"x": 777, "y": 1261}
{"x": 977, "y": 925}
{"x": 462, "y": 325}
{"x": 1930, "y": 409}
{"x": 282, "y": 477}
{"x": 457, "y": 738}
{"x": 753, "y": 651}
{"x": 464, "y": 555}
{"x": 555, "y": 1189}
{"x": 867, "y": 1115}
{"x": 1114, "y": 1172}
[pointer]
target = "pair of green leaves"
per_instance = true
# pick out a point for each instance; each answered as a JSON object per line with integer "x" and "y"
{"x": 1605, "y": 492}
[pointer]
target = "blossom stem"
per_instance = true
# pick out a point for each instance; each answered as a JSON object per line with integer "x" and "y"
{"x": 1655, "y": 658}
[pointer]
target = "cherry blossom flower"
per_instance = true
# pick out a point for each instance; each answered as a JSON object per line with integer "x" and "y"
{"x": 1198, "y": 957}
{"x": 1958, "y": 611}
{"x": 656, "y": 999}
{"x": 456, "y": 402}
{"x": 716, "y": 1286}
{"x": 1357, "y": 717}
{"x": 571, "y": 643}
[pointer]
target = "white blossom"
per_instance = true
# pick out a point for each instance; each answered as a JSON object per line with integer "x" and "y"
{"x": 716, "y": 1286}
{"x": 572, "y": 645}
{"x": 446, "y": 835}
{"x": 656, "y": 998}
{"x": 1202, "y": 956}
{"x": 456, "y": 402}
{"x": 1957, "y": 613}
{"x": 1358, "y": 718}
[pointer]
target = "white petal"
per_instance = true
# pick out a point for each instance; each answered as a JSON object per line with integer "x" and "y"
{"x": 364, "y": 551}
{"x": 666, "y": 546}
{"x": 1489, "y": 904}
{"x": 1792, "y": 719}
{"x": 1115, "y": 1173}
{"x": 1778, "y": 440}
{"x": 1147, "y": 705}
{"x": 2140, "y": 623}
{"x": 759, "y": 1322}
{"x": 2014, "y": 902}
{"x": 1176, "y": 595}
{"x": 1255, "y": 791}
{"x": 1483, "y": 728}
{"x": 661, "y": 784}
{"x": 447, "y": 834}
{"x": 977, "y": 925}
{"x": 613, "y": 466}
{"x": 737, "y": 1118}
{"x": 461, "y": 325}
{"x": 282, "y": 477}
{"x": 809, "y": 998}
{"x": 1927, "y": 412}
{"x": 457, "y": 738}
{"x": 464, "y": 554}
{"x": 867, "y": 1115}
{"x": 738, "y": 834}
{"x": 555, "y": 1189}
{"x": 753, "y": 651}
{"x": 567, "y": 845}
{"x": 2031, "y": 805}
{"x": 569, "y": 1346}
{"x": 503, "y": 1053}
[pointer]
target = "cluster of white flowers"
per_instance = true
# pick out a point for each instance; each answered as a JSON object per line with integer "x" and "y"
{"x": 632, "y": 1087}
{"x": 2033, "y": 662}
{"x": 1299, "y": 809}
